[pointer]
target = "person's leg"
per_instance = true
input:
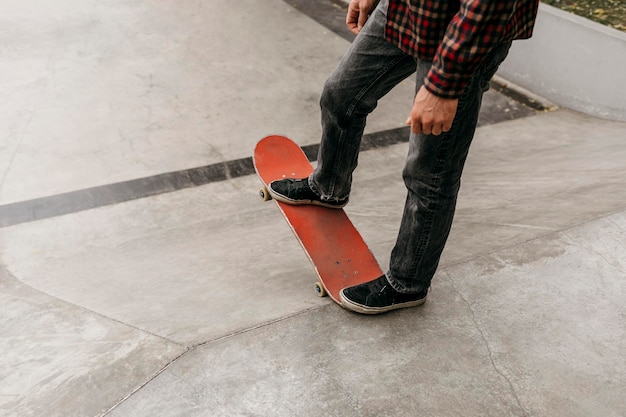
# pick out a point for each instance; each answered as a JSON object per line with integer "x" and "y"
{"x": 432, "y": 177}
{"x": 368, "y": 71}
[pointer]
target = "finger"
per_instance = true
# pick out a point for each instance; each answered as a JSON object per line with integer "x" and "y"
{"x": 415, "y": 127}
{"x": 362, "y": 19}
{"x": 436, "y": 127}
{"x": 426, "y": 123}
{"x": 352, "y": 18}
{"x": 354, "y": 29}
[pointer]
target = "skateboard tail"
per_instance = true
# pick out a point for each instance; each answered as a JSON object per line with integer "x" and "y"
{"x": 351, "y": 262}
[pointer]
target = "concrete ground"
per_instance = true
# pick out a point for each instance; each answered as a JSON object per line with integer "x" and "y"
{"x": 127, "y": 292}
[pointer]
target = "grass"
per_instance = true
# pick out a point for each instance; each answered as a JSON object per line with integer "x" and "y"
{"x": 611, "y": 13}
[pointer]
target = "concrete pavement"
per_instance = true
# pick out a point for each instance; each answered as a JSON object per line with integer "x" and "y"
{"x": 198, "y": 301}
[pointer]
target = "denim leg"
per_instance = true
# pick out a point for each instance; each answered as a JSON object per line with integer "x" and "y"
{"x": 368, "y": 71}
{"x": 432, "y": 176}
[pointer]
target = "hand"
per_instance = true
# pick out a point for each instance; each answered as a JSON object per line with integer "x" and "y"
{"x": 358, "y": 12}
{"x": 432, "y": 114}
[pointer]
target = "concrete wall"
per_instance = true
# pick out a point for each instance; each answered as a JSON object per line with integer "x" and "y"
{"x": 574, "y": 62}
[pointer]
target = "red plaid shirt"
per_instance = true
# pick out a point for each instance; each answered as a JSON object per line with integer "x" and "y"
{"x": 456, "y": 35}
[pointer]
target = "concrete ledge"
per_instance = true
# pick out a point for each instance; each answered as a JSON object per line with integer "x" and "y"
{"x": 522, "y": 95}
{"x": 572, "y": 61}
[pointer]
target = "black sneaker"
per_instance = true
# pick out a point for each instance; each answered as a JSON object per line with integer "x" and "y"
{"x": 377, "y": 296}
{"x": 298, "y": 192}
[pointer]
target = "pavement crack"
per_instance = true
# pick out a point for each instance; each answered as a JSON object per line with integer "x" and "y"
{"x": 18, "y": 145}
{"x": 190, "y": 349}
{"x": 256, "y": 327}
{"x": 617, "y": 225}
{"x": 580, "y": 244}
{"x": 495, "y": 367}
{"x": 146, "y": 382}
{"x": 32, "y": 112}
{"x": 552, "y": 232}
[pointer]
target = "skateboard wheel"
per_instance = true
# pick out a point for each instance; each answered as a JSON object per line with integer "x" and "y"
{"x": 264, "y": 194}
{"x": 320, "y": 290}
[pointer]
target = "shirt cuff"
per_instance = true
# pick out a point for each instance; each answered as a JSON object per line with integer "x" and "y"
{"x": 445, "y": 86}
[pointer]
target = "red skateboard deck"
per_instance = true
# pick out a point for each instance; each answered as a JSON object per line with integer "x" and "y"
{"x": 337, "y": 251}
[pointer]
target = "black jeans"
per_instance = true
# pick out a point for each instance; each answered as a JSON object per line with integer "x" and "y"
{"x": 432, "y": 174}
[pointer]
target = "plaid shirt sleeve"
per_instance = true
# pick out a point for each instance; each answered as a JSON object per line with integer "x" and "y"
{"x": 456, "y": 35}
{"x": 471, "y": 35}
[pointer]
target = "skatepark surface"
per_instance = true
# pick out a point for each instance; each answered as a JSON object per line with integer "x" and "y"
{"x": 141, "y": 275}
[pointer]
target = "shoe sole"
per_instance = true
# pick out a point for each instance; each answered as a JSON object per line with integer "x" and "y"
{"x": 286, "y": 200}
{"x": 359, "y": 308}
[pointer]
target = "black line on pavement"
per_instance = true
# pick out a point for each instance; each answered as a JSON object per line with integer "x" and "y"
{"x": 105, "y": 195}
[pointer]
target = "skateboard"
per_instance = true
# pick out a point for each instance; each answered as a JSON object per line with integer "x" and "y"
{"x": 337, "y": 251}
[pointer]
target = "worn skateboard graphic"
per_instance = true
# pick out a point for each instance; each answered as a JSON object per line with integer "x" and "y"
{"x": 337, "y": 251}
